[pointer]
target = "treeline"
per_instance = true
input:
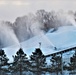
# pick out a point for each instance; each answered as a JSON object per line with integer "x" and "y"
{"x": 36, "y": 64}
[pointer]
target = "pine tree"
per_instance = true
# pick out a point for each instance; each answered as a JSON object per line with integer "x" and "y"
{"x": 37, "y": 61}
{"x": 20, "y": 62}
{"x": 3, "y": 62}
{"x": 73, "y": 62}
{"x": 56, "y": 63}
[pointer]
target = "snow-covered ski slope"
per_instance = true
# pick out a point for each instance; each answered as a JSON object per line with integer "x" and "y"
{"x": 64, "y": 37}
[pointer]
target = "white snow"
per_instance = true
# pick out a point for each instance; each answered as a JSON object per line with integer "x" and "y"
{"x": 62, "y": 38}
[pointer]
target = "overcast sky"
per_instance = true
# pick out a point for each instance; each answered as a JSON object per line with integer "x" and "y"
{"x": 10, "y": 9}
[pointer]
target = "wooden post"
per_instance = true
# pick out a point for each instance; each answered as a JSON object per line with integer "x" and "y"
{"x": 61, "y": 64}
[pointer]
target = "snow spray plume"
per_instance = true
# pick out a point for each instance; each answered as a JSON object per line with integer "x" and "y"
{"x": 31, "y": 25}
{"x": 7, "y": 36}
{"x": 34, "y": 24}
{"x": 26, "y": 27}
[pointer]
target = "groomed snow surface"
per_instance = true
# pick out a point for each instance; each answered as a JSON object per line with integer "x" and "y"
{"x": 64, "y": 37}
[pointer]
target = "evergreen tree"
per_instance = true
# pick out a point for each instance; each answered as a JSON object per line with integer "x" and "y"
{"x": 3, "y": 62}
{"x": 73, "y": 62}
{"x": 37, "y": 61}
{"x": 56, "y": 63}
{"x": 20, "y": 62}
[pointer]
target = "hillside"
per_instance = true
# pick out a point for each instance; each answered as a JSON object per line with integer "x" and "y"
{"x": 62, "y": 38}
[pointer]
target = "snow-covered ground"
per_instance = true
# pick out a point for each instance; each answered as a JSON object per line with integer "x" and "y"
{"x": 62, "y": 38}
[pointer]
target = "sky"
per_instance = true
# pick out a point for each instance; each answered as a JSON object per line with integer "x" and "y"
{"x": 11, "y": 9}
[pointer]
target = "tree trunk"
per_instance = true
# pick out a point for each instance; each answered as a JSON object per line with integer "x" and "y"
{"x": 20, "y": 69}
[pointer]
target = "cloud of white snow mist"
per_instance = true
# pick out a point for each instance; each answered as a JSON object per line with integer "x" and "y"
{"x": 31, "y": 25}
{"x": 7, "y": 35}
